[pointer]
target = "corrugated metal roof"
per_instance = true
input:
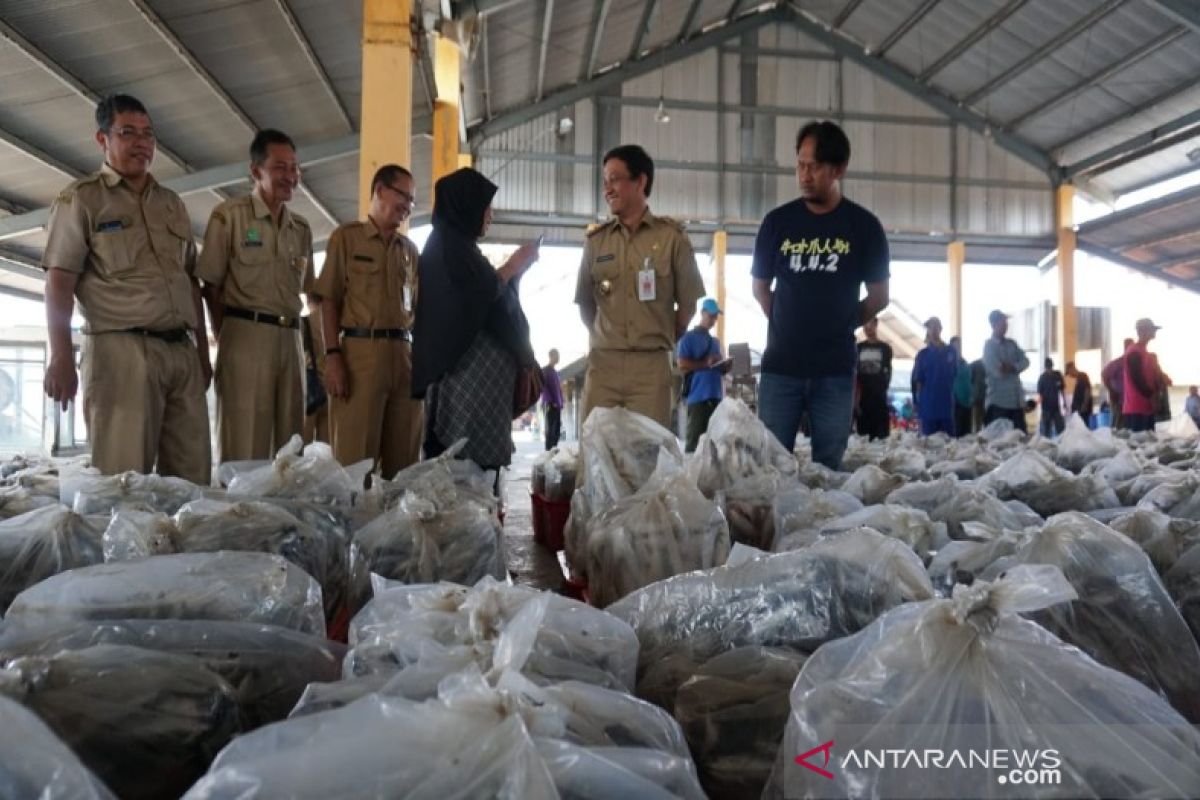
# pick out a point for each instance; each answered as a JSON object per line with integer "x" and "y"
{"x": 1160, "y": 237}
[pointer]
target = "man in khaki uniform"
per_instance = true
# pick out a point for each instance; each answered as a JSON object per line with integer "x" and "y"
{"x": 257, "y": 258}
{"x": 368, "y": 290}
{"x": 637, "y": 289}
{"x": 122, "y": 245}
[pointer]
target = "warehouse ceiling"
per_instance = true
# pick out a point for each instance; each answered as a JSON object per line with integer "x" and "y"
{"x": 1103, "y": 93}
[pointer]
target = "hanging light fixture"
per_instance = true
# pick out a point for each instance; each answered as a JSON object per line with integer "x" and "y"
{"x": 662, "y": 116}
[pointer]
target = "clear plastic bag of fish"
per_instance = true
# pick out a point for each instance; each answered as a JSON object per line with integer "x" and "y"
{"x": 1048, "y": 489}
{"x": 819, "y": 476}
{"x": 1180, "y": 499}
{"x": 733, "y": 712}
{"x": 434, "y": 534}
{"x": 968, "y": 675}
{"x": 303, "y": 473}
{"x": 748, "y": 509}
{"x": 666, "y": 528}
{"x": 908, "y": 463}
{"x": 545, "y": 636}
{"x": 618, "y": 452}
{"x": 18, "y": 500}
{"x": 561, "y": 472}
{"x": 799, "y": 514}
{"x": 735, "y": 447}
{"x": 963, "y": 561}
{"x": 146, "y": 723}
{"x": 268, "y": 667}
{"x": 208, "y": 526}
{"x": 42, "y": 543}
{"x": 89, "y": 493}
{"x": 475, "y": 739}
{"x": 35, "y": 763}
{"x": 232, "y": 586}
{"x": 798, "y": 600}
{"x": 909, "y": 525}
{"x": 467, "y": 478}
{"x": 1123, "y": 617}
{"x": 1182, "y": 581}
{"x": 871, "y": 485}
{"x": 133, "y": 534}
{"x": 1164, "y": 539}
{"x": 974, "y": 505}
{"x": 1078, "y": 446}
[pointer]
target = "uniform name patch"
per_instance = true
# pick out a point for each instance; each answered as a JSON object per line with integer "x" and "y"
{"x": 251, "y": 243}
{"x": 110, "y": 225}
{"x": 367, "y": 259}
{"x": 608, "y": 257}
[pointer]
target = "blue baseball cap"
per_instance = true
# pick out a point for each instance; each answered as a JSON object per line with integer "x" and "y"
{"x": 710, "y": 306}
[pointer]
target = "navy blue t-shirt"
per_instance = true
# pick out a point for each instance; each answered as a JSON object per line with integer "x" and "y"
{"x": 819, "y": 263}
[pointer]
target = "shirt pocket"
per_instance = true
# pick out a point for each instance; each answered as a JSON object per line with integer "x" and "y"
{"x": 664, "y": 277}
{"x": 367, "y": 278}
{"x": 175, "y": 242}
{"x": 114, "y": 249}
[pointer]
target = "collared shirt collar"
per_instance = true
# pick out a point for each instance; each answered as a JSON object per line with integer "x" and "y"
{"x": 263, "y": 211}
{"x": 647, "y": 221}
{"x": 375, "y": 231}
{"x": 112, "y": 178}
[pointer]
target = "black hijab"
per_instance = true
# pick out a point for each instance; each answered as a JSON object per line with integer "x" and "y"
{"x": 459, "y": 294}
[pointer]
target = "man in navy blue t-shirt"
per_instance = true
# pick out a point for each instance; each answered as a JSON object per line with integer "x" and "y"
{"x": 700, "y": 358}
{"x": 817, "y": 251}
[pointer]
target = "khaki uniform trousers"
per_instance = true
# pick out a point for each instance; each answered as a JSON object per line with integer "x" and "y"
{"x": 380, "y": 419}
{"x": 639, "y": 380}
{"x": 260, "y": 389}
{"x": 144, "y": 404}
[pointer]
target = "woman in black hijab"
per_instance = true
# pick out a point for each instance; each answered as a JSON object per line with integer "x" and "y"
{"x": 470, "y": 337}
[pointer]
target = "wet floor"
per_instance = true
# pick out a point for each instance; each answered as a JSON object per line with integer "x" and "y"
{"x": 529, "y": 563}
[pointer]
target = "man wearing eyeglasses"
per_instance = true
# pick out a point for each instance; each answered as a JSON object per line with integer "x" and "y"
{"x": 122, "y": 244}
{"x": 257, "y": 258}
{"x": 637, "y": 290}
{"x": 368, "y": 290}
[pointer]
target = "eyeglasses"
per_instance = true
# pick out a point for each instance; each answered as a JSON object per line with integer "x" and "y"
{"x": 131, "y": 134}
{"x": 408, "y": 198}
{"x": 616, "y": 180}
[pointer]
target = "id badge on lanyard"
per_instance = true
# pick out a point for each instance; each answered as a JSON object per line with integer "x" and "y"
{"x": 647, "y": 284}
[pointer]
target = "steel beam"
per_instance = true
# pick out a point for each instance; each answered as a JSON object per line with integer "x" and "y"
{"x": 1116, "y": 258}
{"x": 481, "y": 8}
{"x": 39, "y": 155}
{"x": 905, "y": 27}
{"x": 734, "y": 8}
{"x": 1183, "y": 233}
{"x": 1172, "y": 175}
{"x": 778, "y": 111}
{"x": 1186, "y": 11}
{"x": 547, "y": 19}
{"x": 1080, "y": 25}
{"x": 1166, "y": 135}
{"x": 615, "y": 77}
{"x": 1096, "y": 78}
{"x": 592, "y": 53}
{"x": 689, "y": 19}
{"x": 485, "y": 60}
{"x": 846, "y": 13}
{"x": 310, "y": 55}
{"x": 200, "y": 71}
{"x": 1134, "y": 113}
{"x": 1151, "y": 208}
{"x": 643, "y": 28}
{"x": 972, "y": 38}
{"x": 781, "y": 52}
{"x": 203, "y": 180}
{"x": 947, "y": 105}
{"x": 765, "y": 169}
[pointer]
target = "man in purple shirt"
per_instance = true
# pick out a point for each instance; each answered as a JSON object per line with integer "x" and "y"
{"x": 552, "y": 401}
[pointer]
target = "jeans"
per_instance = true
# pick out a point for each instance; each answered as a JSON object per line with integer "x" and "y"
{"x": 553, "y": 426}
{"x": 1052, "y": 423}
{"x": 698, "y": 415}
{"x": 828, "y": 402}
{"x": 1139, "y": 422}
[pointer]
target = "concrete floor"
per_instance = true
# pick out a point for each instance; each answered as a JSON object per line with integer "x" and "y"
{"x": 528, "y": 562}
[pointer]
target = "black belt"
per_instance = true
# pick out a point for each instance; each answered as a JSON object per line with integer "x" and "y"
{"x": 173, "y": 337}
{"x": 377, "y": 333}
{"x": 258, "y": 316}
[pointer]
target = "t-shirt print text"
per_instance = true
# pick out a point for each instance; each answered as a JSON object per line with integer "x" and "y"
{"x": 816, "y": 254}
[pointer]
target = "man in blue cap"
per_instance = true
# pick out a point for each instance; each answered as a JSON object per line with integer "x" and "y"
{"x": 702, "y": 365}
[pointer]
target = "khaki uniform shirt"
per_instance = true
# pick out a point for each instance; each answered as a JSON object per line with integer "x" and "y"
{"x": 612, "y": 258}
{"x": 373, "y": 283}
{"x": 261, "y": 267}
{"x": 134, "y": 254}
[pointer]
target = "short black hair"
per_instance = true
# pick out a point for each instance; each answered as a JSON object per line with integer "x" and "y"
{"x": 637, "y": 160}
{"x": 265, "y": 138}
{"x": 1049, "y": 363}
{"x": 832, "y": 145}
{"x": 386, "y": 174}
{"x": 108, "y": 108}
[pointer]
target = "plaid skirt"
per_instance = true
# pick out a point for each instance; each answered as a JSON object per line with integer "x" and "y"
{"x": 474, "y": 401}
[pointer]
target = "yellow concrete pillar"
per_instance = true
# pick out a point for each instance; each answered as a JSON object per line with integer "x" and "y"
{"x": 447, "y": 72}
{"x": 956, "y": 256}
{"x": 719, "y": 246}
{"x": 1068, "y": 336}
{"x": 387, "y": 61}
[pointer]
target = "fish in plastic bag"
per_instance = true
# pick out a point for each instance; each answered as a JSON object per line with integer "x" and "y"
{"x": 35, "y": 763}
{"x": 42, "y": 543}
{"x": 303, "y": 473}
